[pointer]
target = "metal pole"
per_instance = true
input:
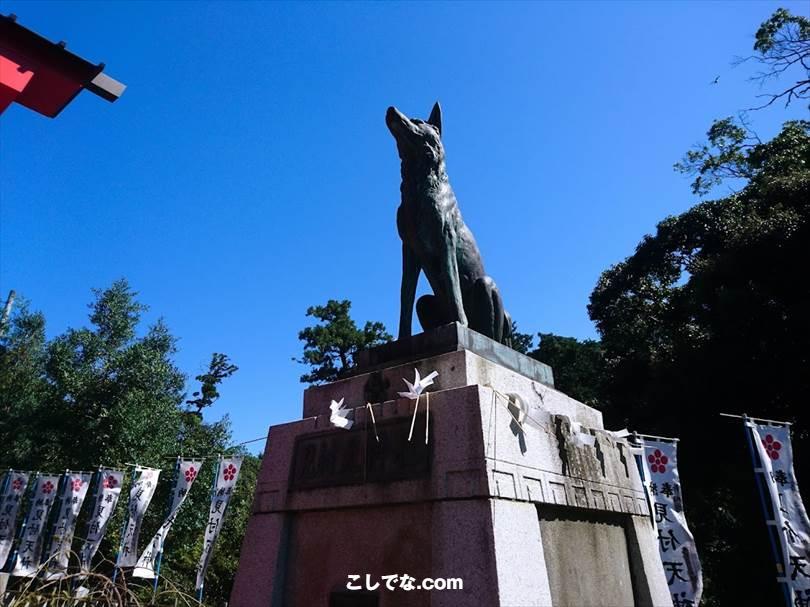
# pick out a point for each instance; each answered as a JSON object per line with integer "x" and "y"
{"x": 7, "y": 312}
{"x": 757, "y": 419}
{"x": 665, "y": 439}
{"x": 775, "y": 542}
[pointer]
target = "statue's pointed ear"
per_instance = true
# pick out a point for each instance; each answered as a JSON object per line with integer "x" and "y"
{"x": 436, "y": 117}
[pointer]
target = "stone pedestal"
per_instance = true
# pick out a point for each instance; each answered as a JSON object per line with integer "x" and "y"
{"x": 525, "y": 515}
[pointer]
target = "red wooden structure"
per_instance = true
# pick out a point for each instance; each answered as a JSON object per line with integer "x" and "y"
{"x": 44, "y": 76}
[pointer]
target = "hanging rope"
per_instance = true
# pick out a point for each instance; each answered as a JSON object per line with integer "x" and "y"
{"x": 373, "y": 421}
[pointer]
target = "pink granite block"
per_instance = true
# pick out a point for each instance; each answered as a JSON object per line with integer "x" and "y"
{"x": 326, "y": 546}
{"x": 262, "y": 547}
{"x": 462, "y": 546}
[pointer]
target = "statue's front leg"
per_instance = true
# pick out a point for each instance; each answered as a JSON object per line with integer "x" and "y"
{"x": 410, "y": 277}
{"x": 453, "y": 284}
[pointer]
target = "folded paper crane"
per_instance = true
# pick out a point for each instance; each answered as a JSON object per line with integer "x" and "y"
{"x": 415, "y": 389}
{"x": 419, "y": 384}
{"x": 339, "y": 416}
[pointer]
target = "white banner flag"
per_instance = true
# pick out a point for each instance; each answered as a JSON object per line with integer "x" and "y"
{"x": 227, "y": 473}
{"x": 787, "y": 513}
{"x": 186, "y": 475}
{"x": 30, "y": 546}
{"x": 675, "y": 542}
{"x": 74, "y": 490}
{"x": 143, "y": 489}
{"x": 108, "y": 489}
{"x": 14, "y": 486}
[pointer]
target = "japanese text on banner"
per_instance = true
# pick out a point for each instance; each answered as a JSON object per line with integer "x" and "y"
{"x": 187, "y": 472}
{"x": 772, "y": 445}
{"x": 74, "y": 490}
{"x": 143, "y": 489}
{"x": 108, "y": 490}
{"x": 223, "y": 489}
{"x": 14, "y": 486}
{"x": 30, "y": 547}
{"x": 675, "y": 542}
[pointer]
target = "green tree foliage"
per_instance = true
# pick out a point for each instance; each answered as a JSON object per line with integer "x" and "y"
{"x": 22, "y": 387}
{"x": 725, "y": 272}
{"x": 90, "y": 393}
{"x": 220, "y": 368}
{"x": 783, "y": 45}
{"x": 110, "y": 394}
{"x": 521, "y": 342}
{"x": 710, "y": 314}
{"x": 330, "y": 345}
{"x": 733, "y": 151}
{"x": 578, "y": 365}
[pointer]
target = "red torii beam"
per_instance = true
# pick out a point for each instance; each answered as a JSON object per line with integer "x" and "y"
{"x": 44, "y": 76}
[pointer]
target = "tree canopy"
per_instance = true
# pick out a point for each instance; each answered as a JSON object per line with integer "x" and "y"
{"x": 219, "y": 369}
{"x": 783, "y": 46}
{"x": 110, "y": 394}
{"x": 578, "y": 366}
{"x": 710, "y": 315}
{"x": 719, "y": 288}
{"x": 331, "y": 344}
{"x": 521, "y": 342}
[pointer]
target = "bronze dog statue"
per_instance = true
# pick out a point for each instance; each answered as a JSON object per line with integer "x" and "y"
{"x": 436, "y": 240}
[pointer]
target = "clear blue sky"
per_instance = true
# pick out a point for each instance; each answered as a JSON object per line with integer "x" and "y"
{"x": 247, "y": 172}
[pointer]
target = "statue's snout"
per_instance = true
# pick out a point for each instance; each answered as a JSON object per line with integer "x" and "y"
{"x": 393, "y": 113}
{"x": 395, "y": 121}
